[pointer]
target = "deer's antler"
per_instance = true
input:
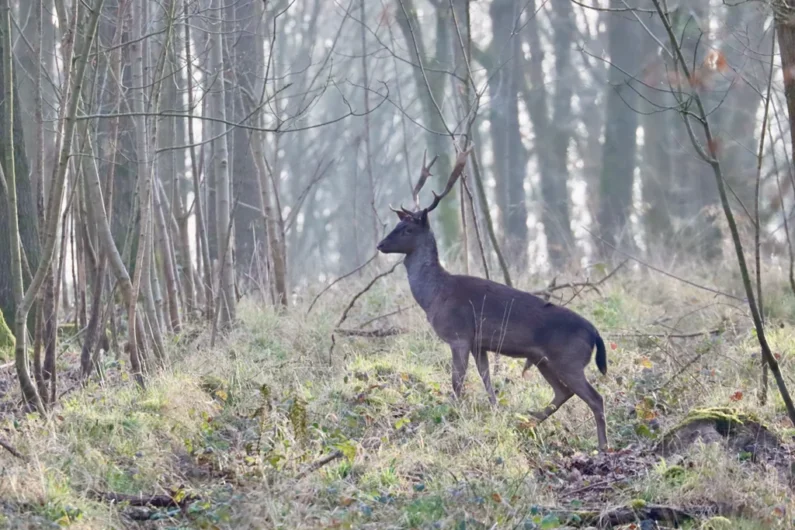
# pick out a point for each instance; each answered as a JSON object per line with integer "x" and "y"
{"x": 424, "y": 174}
{"x": 460, "y": 162}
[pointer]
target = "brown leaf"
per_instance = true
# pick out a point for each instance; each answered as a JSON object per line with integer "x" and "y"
{"x": 716, "y": 60}
{"x": 713, "y": 146}
{"x": 496, "y": 497}
{"x": 737, "y": 396}
{"x": 613, "y": 345}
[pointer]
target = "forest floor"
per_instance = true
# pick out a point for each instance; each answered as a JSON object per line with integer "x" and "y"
{"x": 271, "y": 429}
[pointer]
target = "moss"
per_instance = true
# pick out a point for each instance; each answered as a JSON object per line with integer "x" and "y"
{"x": 724, "y": 417}
{"x": 637, "y": 504}
{"x": 717, "y": 523}
{"x": 7, "y": 340}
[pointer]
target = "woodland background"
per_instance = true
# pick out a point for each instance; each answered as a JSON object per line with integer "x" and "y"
{"x": 193, "y": 307}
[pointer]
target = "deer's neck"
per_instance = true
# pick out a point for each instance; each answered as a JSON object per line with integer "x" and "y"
{"x": 425, "y": 274}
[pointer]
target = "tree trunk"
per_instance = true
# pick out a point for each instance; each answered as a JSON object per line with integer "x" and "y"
{"x": 621, "y": 124}
{"x": 12, "y": 230}
{"x": 27, "y": 216}
{"x": 553, "y": 164}
{"x": 217, "y": 99}
{"x": 510, "y": 160}
{"x": 244, "y": 55}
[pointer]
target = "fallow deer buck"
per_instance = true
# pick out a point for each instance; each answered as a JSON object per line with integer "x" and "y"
{"x": 476, "y": 315}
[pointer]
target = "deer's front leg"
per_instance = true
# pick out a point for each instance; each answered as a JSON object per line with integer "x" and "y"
{"x": 482, "y": 362}
{"x": 460, "y": 362}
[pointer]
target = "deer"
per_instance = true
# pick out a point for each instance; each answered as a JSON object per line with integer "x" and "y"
{"x": 475, "y": 315}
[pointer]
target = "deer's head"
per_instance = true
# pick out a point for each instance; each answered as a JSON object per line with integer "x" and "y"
{"x": 413, "y": 228}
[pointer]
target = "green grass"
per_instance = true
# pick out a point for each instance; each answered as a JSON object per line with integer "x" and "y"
{"x": 241, "y": 424}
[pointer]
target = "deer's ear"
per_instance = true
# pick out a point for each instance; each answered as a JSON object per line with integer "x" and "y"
{"x": 401, "y": 215}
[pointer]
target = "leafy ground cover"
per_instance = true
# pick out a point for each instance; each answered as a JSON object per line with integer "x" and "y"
{"x": 272, "y": 428}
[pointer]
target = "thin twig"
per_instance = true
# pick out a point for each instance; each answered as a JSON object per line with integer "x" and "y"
{"x": 665, "y": 273}
{"x": 330, "y": 285}
{"x": 353, "y": 301}
{"x": 366, "y": 288}
{"x": 379, "y": 317}
{"x": 757, "y": 228}
{"x": 579, "y": 287}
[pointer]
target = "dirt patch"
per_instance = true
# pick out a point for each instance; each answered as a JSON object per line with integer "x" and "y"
{"x": 596, "y": 478}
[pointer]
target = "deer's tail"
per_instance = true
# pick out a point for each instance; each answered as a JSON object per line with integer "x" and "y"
{"x": 601, "y": 354}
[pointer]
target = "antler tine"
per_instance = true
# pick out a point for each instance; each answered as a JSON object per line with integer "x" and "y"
{"x": 460, "y": 163}
{"x": 402, "y": 210}
{"x": 424, "y": 174}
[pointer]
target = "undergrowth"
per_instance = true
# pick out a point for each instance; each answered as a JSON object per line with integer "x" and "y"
{"x": 240, "y": 428}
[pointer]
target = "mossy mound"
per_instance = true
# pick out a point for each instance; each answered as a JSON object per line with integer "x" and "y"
{"x": 742, "y": 432}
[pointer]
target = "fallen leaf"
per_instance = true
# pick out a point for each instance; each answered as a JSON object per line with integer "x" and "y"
{"x": 645, "y": 362}
{"x": 496, "y": 497}
{"x": 737, "y": 396}
{"x": 613, "y": 345}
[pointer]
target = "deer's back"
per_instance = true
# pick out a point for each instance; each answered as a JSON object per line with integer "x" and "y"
{"x": 504, "y": 319}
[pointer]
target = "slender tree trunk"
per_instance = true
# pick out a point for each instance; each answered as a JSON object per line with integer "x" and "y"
{"x": 201, "y": 222}
{"x": 217, "y": 100}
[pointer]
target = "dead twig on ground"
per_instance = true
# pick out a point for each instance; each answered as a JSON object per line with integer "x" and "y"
{"x": 320, "y": 463}
{"x": 141, "y": 500}
{"x": 372, "y": 333}
{"x": 695, "y": 334}
{"x": 10, "y": 448}
{"x": 353, "y": 301}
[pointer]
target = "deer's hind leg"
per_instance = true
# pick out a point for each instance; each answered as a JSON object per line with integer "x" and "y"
{"x": 578, "y": 384}
{"x": 562, "y": 392}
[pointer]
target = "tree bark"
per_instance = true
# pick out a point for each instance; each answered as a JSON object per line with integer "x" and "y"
{"x": 217, "y": 99}
{"x": 621, "y": 124}
{"x": 29, "y": 391}
{"x": 552, "y": 130}
{"x": 510, "y": 159}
